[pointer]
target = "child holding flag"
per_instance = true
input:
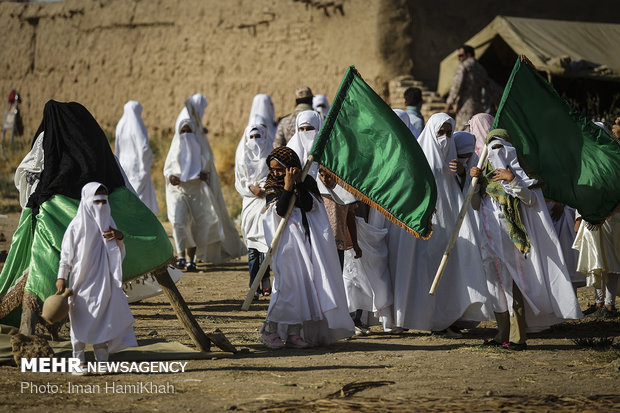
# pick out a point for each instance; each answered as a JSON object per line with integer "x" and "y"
{"x": 308, "y": 304}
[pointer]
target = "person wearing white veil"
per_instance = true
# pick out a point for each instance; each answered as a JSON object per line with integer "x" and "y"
{"x": 527, "y": 276}
{"x": 229, "y": 245}
{"x": 321, "y": 105}
{"x": 91, "y": 260}
{"x": 462, "y": 294}
{"x": 134, "y": 153}
{"x": 404, "y": 116}
{"x": 250, "y": 174}
{"x": 189, "y": 200}
{"x": 307, "y": 126}
{"x": 262, "y": 106}
{"x": 198, "y": 102}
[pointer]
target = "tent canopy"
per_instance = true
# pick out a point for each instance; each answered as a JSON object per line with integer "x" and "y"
{"x": 559, "y": 48}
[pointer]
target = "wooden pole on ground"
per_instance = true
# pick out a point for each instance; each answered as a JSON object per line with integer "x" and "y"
{"x": 459, "y": 222}
{"x": 274, "y": 242}
{"x": 179, "y": 306}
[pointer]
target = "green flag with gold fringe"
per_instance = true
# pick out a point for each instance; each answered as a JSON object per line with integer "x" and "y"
{"x": 373, "y": 154}
{"x": 575, "y": 162}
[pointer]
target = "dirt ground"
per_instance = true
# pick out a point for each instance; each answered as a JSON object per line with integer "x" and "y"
{"x": 415, "y": 371}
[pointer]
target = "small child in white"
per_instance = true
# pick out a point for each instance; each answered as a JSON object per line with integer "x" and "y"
{"x": 91, "y": 259}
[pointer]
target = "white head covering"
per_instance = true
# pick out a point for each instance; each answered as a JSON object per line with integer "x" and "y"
{"x": 302, "y": 142}
{"x": 263, "y": 106}
{"x": 188, "y": 155}
{"x": 100, "y": 312}
{"x": 251, "y": 154}
{"x": 198, "y": 102}
{"x": 320, "y": 100}
{"x": 88, "y": 225}
{"x": 439, "y": 152}
{"x": 132, "y": 144}
{"x": 404, "y": 116}
{"x": 506, "y": 158}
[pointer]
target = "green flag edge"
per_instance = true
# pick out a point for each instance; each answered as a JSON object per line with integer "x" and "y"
{"x": 319, "y": 147}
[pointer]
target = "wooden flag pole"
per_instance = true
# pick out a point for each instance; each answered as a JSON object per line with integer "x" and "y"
{"x": 459, "y": 222}
{"x": 275, "y": 241}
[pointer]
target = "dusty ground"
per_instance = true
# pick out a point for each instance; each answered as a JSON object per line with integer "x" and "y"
{"x": 421, "y": 372}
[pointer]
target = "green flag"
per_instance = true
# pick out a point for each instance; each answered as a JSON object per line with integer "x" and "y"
{"x": 575, "y": 161}
{"x": 372, "y": 153}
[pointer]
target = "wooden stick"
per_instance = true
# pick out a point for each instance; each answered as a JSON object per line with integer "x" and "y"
{"x": 275, "y": 241}
{"x": 179, "y": 306}
{"x": 459, "y": 222}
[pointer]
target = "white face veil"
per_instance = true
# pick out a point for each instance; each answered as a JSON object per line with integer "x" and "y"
{"x": 90, "y": 221}
{"x": 504, "y": 156}
{"x": 302, "y": 142}
{"x": 255, "y": 152}
{"x": 188, "y": 154}
{"x": 439, "y": 151}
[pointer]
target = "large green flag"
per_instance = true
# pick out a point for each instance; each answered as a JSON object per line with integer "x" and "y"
{"x": 373, "y": 154}
{"x": 575, "y": 161}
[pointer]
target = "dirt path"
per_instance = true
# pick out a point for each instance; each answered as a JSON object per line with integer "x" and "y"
{"x": 419, "y": 371}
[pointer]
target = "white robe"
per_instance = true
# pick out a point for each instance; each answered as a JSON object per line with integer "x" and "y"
{"x": 308, "y": 287}
{"x": 599, "y": 250}
{"x": 542, "y": 277}
{"x": 99, "y": 312}
{"x": 565, "y": 230}
{"x": 190, "y": 205}
{"x": 367, "y": 279}
{"x": 251, "y": 169}
{"x": 135, "y": 154}
{"x": 462, "y": 293}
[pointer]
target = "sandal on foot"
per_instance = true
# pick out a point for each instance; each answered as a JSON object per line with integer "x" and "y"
{"x": 296, "y": 342}
{"x": 272, "y": 341}
{"x": 181, "y": 263}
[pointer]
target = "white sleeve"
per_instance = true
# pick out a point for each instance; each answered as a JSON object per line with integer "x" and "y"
{"x": 66, "y": 255}
{"x": 526, "y": 195}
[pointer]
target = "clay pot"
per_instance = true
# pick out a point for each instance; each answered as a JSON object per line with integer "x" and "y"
{"x": 56, "y": 307}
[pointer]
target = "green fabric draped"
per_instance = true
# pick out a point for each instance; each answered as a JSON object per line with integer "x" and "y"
{"x": 575, "y": 161}
{"x": 146, "y": 242}
{"x": 373, "y": 154}
{"x": 510, "y": 209}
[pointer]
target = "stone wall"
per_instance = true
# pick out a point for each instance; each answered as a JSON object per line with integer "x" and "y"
{"x": 103, "y": 53}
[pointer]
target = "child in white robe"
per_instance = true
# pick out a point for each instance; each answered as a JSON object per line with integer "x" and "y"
{"x": 189, "y": 199}
{"x": 308, "y": 306}
{"x": 91, "y": 266}
{"x": 531, "y": 293}
{"x": 250, "y": 174}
